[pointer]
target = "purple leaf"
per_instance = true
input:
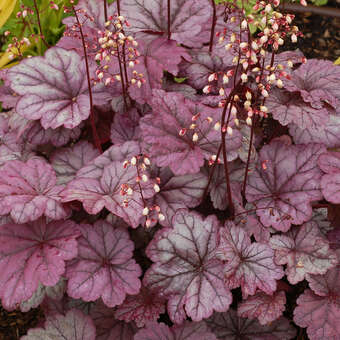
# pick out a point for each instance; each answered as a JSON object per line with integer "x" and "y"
{"x": 186, "y": 269}
{"x": 228, "y": 326}
{"x": 156, "y": 56}
{"x": 330, "y": 183}
{"x": 178, "y": 192}
{"x": 218, "y": 186}
{"x": 10, "y": 147}
{"x": 60, "y": 136}
{"x": 320, "y": 313}
{"x": 8, "y": 97}
{"x": 289, "y": 107}
{"x": 266, "y": 308}
{"x": 187, "y": 331}
{"x": 31, "y": 254}
{"x": 54, "y": 89}
{"x": 73, "y": 326}
{"x": 66, "y": 162}
{"x": 201, "y": 66}
{"x": 162, "y": 133}
{"x": 125, "y": 127}
{"x": 56, "y": 293}
{"x": 141, "y": 308}
{"x": 249, "y": 265}
{"x": 254, "y": 227}
{"x": 328, "y": 134}
{"x": 31, "y": 131}
{"x": 104, "y": 266}
{"x": 284, "y": 183}
{"x": 318, "y": 83}
{"x": 28, "y": 191}
{"x": 304, "y": 250}
{"x": 187, "y": 17}
{"x": 99, "y": 185}
{"x": 107, "y": 327}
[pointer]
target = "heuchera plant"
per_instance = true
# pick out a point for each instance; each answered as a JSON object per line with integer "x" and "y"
{"x": 167, "y": 173}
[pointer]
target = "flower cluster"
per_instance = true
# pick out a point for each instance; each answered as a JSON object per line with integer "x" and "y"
{"x": 114, "y": 44}
{"x": 151, "y": 212}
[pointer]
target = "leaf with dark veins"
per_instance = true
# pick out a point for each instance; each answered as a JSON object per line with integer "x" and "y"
{"x": 99, "y": 184}
{"x": 284, "y": 183}
{"x": 319, "y": 311}
{"x": 187, "y": 17}
{"x": 28, "y": 191}
{"x": 104, "y": 266}
{"x": 33, "y": 253}
{"x": 142, "y": 308}
{"x": 228, "y": 326}
{"x": 266, "y": 308}
{"x": 318, "y": 82}
{"x": 305, "y": 251}
{"x": 328, "y": 134}
{"x": 178, "y": 192}
{"x": 67, "y": 161}
{"x": 185, "y": 153}
{"x": 107, "y": 327}
{"x": 187, "y": 331}
{"x": 289, "y": 107}
{"x": 156, "y": 56}
{"x": 249, "y": 265}
{"x": 186, "y": 269}
{"x": 54, "y": 89}
{"x": 330, "y": 182}
{"x": 73, "y": 326}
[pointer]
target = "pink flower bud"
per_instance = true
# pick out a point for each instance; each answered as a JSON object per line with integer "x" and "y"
{"x": 244, "y": 77}
{"x": 182, "y": 132}
{"x": 212, "y": 77}
{"x": 207, "y": 89}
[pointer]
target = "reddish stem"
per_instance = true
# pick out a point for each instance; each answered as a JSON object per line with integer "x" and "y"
{"x": 39, "y": 24}
{"x": 243, "y": 192}
{"x": 224, "y": 154}
{"x": 220, "y": 147}
{"x": 169, "y": 20}
{"x": 211, "y": 174}
{"x": 118, "y": 7}
{"x": 212, "y": 30}
{"x": 105, "y": 10}
{"x": 122, "y": 78}
{"x": 318, "y": 10}
{"x": 93, "y": 125}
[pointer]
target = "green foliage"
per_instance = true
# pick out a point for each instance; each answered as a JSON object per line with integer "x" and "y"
{"x": 51, "y": 24}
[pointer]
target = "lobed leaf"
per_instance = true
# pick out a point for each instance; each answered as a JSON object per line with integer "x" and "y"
{"x": 319, "y": 311}
{"x": 304, "y": 250}
{"x": 54, "y": 89}
{"x": 73, "y": 326}
{"x": 284, "y": 183}
{"x": 104, "y": 266}
{"x": 186, "y": 269}
{"x": 28, "y": 191}
{"x": 33, "y": 253}
{"x": 249, "y": 265}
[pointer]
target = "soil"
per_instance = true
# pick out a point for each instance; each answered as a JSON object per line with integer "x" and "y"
{"x": 321, "y": 34}
{"x": 321, "y": 40}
